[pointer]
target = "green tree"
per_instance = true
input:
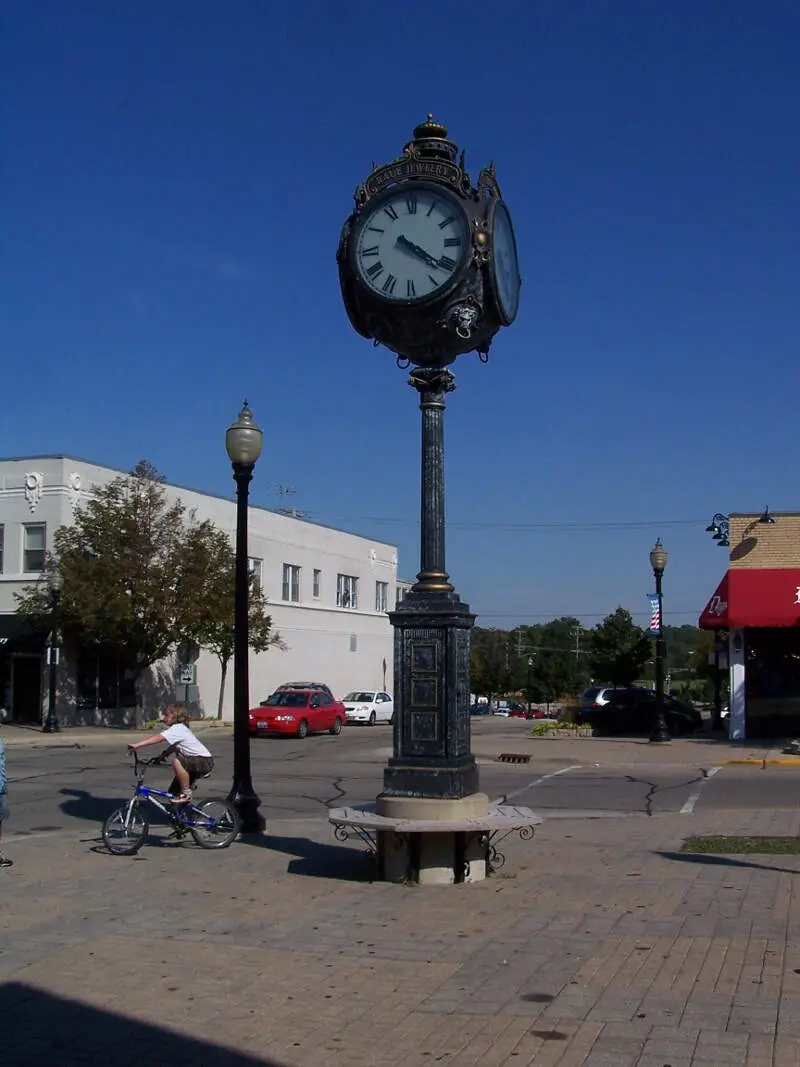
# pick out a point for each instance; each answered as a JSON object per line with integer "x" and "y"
{"x": 212, "y": 578}
{"x": 550, "y": 659}
{"x": 618, "y": 649}
{"x": 130, "y": 570}
{"x": 490, "y": 671}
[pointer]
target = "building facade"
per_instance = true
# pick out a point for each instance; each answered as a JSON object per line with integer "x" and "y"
{"x": 757, "y": 605}
{"x": 329, "y": 592}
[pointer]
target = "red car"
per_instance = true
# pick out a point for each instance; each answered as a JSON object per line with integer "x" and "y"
{"x": 297, "y": 713}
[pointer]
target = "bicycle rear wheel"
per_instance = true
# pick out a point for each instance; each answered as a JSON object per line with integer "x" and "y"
{"x": 214, "y": 824}
{"x": 124, "y": 834}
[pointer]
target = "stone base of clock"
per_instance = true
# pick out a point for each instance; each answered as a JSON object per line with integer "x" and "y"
{"x": 431, "y": 753}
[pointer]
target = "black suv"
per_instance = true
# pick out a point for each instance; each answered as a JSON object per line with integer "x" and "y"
{"x": 632, "y": 710}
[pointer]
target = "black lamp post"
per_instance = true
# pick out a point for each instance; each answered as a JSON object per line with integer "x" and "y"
{"x": 243, "y": 442}
{"x": 51, "y": 722}
{"x": 658, "y": 561}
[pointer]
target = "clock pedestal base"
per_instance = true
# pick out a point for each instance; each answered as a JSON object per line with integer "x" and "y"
{"x": 432, "y": 757}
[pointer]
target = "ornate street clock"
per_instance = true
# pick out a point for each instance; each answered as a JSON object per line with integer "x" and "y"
{"x": 428, "y": 262}
{"x": 428, "y": 267}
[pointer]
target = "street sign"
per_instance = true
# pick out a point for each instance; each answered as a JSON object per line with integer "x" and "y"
{"x": 186, "y": 674}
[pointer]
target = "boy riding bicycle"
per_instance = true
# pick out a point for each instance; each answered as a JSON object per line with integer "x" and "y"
{"x": 191, "y": 759}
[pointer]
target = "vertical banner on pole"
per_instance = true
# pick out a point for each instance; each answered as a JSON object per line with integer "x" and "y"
{"x": 655, "y": 615}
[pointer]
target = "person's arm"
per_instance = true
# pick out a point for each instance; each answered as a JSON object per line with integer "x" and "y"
{"x": 155, "y": 739}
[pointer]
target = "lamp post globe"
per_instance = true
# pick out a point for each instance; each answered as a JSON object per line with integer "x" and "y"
{"x": 658, "y": 561}
{"x": 56, "y": 582}
{"x": 658, "y": 557}
{"x": 243, "y": 441}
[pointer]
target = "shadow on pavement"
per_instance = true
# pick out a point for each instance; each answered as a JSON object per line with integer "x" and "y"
{"x": 83, "y": 805}
{"x": 724, "y": 861}
{"x": 318, "y": 860}
{"x": 41, "y": 1028}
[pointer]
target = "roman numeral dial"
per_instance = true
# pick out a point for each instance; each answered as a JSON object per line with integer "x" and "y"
{"x": 411, "y": 243}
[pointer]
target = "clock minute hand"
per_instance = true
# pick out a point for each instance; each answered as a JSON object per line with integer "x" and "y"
{"x": 415, "y": 250}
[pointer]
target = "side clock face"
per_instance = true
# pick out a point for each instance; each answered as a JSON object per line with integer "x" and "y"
{"x": 411, "y": 244}
{"x": 505, "y": 264}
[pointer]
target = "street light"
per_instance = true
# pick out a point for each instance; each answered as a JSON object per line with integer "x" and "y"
{"x": 243, "y": 442}
{"x": 658, "y": 561}
{"x": 720, "y": 528}
{"x": 55, "y": 581}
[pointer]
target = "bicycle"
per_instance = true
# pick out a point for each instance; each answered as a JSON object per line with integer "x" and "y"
{"x": 212, "y": 824}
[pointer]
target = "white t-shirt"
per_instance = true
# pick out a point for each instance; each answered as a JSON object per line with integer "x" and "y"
{"x": 184, "y": 740}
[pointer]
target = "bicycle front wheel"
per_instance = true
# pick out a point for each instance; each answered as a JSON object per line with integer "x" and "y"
{"x": 124, "y": 831}
{"x": 214, "y": 824}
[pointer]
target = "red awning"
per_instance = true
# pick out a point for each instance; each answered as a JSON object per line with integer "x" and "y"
{"x": 714, "y": 615}
{"x": 755, "y": 598}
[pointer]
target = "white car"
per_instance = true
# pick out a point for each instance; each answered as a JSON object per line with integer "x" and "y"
{"x": 369, "y": 706}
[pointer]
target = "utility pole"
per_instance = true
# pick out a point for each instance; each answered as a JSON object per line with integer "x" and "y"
{"x": 577, "y": 633}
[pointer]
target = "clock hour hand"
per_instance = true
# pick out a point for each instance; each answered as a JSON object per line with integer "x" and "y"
{"x": 420, "y": 253}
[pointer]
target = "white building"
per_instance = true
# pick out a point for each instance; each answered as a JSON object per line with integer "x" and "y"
{"x": 329, "y": 592}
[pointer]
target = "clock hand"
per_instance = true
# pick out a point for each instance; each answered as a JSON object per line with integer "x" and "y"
{"x": 420, "y": 253}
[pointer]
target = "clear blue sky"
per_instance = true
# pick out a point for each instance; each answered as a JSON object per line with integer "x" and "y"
{"x": 176, "y": 177}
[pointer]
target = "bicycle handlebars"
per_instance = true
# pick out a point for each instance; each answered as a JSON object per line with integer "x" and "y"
{"x": 154, "y": 761}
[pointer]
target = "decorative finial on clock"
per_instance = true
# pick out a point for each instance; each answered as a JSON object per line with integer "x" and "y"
{"x": 430, "y": 129}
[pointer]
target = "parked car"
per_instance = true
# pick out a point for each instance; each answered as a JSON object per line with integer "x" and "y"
{"x": 297, "y": 712}
{"x": 480, "y": 709}
{"x": 517, "y": 712}
{"x": 631, "y": 710}
{"x": 369, "y": 706}
{"x": 306, "y": 685}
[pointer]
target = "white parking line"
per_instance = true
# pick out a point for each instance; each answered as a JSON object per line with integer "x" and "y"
{"x": 688, "y": 807}
{"x": 538, "y": 781}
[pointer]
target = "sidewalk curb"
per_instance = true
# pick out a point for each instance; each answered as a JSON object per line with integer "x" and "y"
{"x": 762, "y": 762}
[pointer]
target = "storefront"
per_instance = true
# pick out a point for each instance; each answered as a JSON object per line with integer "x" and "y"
{"x": 21, "y": 667}
{"x": 758, "y": 604}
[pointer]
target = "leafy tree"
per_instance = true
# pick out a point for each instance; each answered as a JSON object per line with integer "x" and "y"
{"x": 490, "y": 671}
{"x": 212, "y": 579}
{"x": 548, "y": 661}
{"x": 131, "y": 571}
{"x": 558, "y": 670}
{"x": 618, "y": 649}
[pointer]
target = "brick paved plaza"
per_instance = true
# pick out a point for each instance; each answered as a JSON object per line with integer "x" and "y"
{"x": 599, "y": 944}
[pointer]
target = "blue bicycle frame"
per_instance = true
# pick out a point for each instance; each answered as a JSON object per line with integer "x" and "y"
{"x": 181, "y": 815}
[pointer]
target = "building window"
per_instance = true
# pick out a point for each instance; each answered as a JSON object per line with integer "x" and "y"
{"x": 33, "y": 542}
{"x": 2, "y": 531}
{"x": 381, "y": 596}
{"x": 291, "y": 583}
{"x": 354, "y": 642}
{"x": 400, "y": 594}
{"x": 256, "y": 568}
{"x": 346, "y": 591}
{"x": 317, "y": 576}
{"x": 103, "y": 681}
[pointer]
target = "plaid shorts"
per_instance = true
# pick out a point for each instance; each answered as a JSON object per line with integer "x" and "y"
{"x": 196, "y": 767}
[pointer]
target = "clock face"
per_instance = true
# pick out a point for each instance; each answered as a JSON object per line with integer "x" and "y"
{"x": 505, "y": 265}
{"x": 412, "y": 243}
